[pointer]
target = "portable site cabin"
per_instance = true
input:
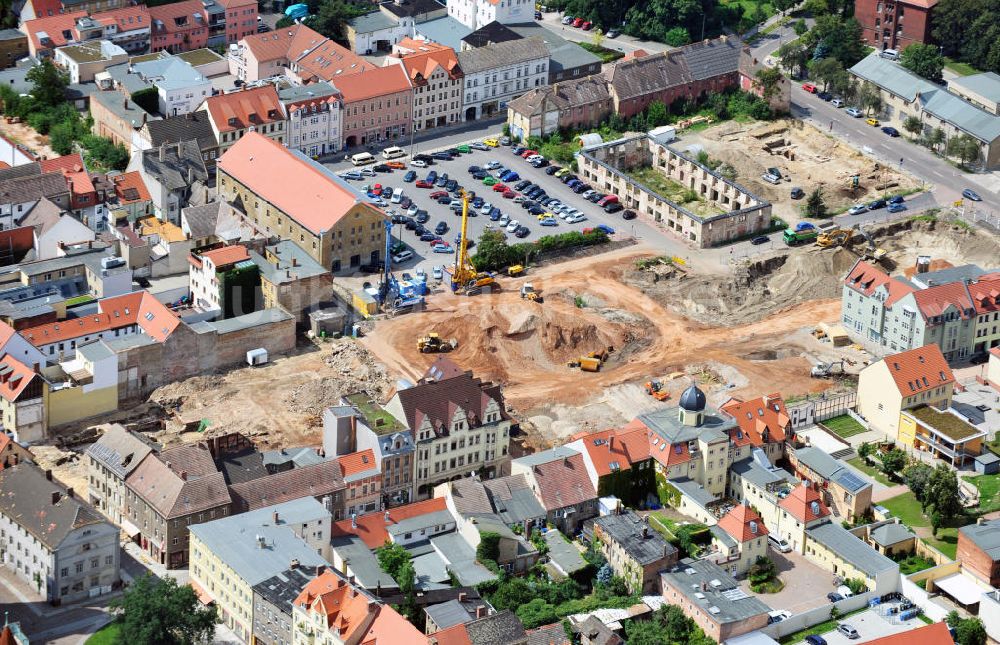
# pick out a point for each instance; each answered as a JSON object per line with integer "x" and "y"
{"x": 257, "y": 356}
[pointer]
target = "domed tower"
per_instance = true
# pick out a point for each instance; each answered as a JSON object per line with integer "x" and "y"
{"x": 691, "y": 407}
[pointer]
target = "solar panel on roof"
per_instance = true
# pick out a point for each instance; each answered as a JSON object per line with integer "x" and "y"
{"x": 852, "y": 481}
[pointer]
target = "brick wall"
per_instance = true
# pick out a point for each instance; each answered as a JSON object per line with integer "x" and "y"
{"x": 977, "y": 561}
{"x": 877, "y": 16}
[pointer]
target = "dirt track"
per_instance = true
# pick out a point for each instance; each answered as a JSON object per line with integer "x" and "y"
{"x": 525, "y": 345}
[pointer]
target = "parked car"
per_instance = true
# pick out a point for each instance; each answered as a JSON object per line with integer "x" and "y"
{"x": 968, "y": 193}
{"x": 613, "y": 33}
{"x": 587, "y": 25}
{"x": 809, "y": 87}
{"x": 437, "y": 272}
{"x": 778, "y": 615}
{"x": 891, "y": 131}
{"x": 629, "y": 214}
{"x": 898, "y": 199}
{"x": 553, "y": 169}
{"x": 798, "y": 193}
{"x": 512, "y": 226}
{"x": 896, "y": 208}
{"x": 848, "y": 631}
{"x": 779, "y": 544}
{"x": 567, "y": 20}
{"x": 876, "y": 204}
{"x": 577, "y": 22}
{"x": 760, "y": 239}
{"x": 613, "y": 207}
{"x": 833, "y": 596}
{"x": 382, "y": 167}
{"x": 837, "y": 102}
{"x": 522, "y": 232}
{"x": 857, "y": 209}
{"x": 441, "y": 228}
{"x": 402, "y": 256}
{"x": 423, "y": 183}
{"x": 872, "y": 122}
{"x": 815, "y": 639}
{"x": 478, "y": 145}
{"x": 441, "y": 247}
{"x": 418, "y": 163}
{"x": 410, "y": 176}
{"x": 826, "y": 96}
{"x": 855, "y": 112}
{"x": 441, "y": 156}
{"x": 845, "y": 591}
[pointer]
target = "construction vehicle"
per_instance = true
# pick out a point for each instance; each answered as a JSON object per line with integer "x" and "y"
{"x": 392, "y": 296}
{"x": 464, "y": 274}
{"x": 803, "y": 233}
{"x": 826, "y": 370}
{"x": 528, "y": 293}
{"x": 592, "y": 361}
{"x": 433, "y": 342}
{"x": 656, "y": 390}
{"x": 873, "y": 252}
{"x": 834, "y": 237}
{"x": 515, "y": 270}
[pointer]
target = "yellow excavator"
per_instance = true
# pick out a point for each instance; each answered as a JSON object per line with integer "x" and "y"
{"x": 464, "y": 275}
{"x": 833, "y": 237}
{"x": 433, "y": 342}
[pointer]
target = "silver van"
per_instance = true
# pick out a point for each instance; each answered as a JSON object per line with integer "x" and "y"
{"x": 891, "y": 54}
{"x": 779, "y": 543}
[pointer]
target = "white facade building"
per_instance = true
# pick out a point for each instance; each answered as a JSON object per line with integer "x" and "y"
{"x": 181, "y": 88}
{"x": 314, "y": 118}
{"x": 475, "y": 14}
{"x": 499, "y": 73}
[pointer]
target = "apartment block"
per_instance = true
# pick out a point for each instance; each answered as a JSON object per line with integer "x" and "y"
{"x": 635, "y": 552}
{"x": 979, "y": 550}
{"x": 436, "y": 78}
{"x": 110, "y": 460}
{"x": 895, "y": 24}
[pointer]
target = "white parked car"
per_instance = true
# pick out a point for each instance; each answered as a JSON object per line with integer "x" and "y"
{"x": 437, "y": 272}
{"x": 845, "y": 591}
{"x": 486, "y": 208}
{"x": 418, "y": 163}
{"x": 504, "y": 219}
{"x": 397, "y": 196}
{"x": 412, "y": 210}
{"x": 576, "y": 219}
{"x": 402, "y": 256}
{"x": 781, "y": 544}
{"x": 492, "y": 165}
{"x": 512, "y": 225}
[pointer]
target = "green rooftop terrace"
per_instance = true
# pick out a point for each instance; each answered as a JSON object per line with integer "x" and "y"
{"x": 374, "y": 414}
{"x": 674, "y": 191}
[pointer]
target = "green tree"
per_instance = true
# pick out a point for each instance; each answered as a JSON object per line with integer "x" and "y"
{"x": 676, "y": 624}
{"x": 965, "y": 147}
{"x": 48, "y": 84}
{"x": 923, "y": 60}
{"x": 331, "y": 18}
{"x": 391, "y": 558}
{"x": 870, "y": 97}
{"x": 893, "y": 462}
{"x": 537, "y": 612}
{"x": 936, "y": 138}
{"x": 866, "y": 450}
{"x": 826, "y": 70}
{"x": 953, "y": 20}
{"x": 800, "y": 27}
{"x": 913, "y": 125}
{"x": 657, "y": 114}
{"x": 917, "y": 477}
{"x": 841, "y": 39}
{"x": 784, "y": 5}
{"x": 762, "y": 570}
{"x": 597, "y": 37}
{"x": 511, "y": 594}
{"x": 768, "y": 82}
{"x": 793, "y": 56}
{"x": 942, "y": 493}
{"x": 968, "y": 631}
{"x": 645, "y": 632}
{"x": 677, "y": 37}
{"x": 815, "y": 205}
{"x": 161, "y": 611}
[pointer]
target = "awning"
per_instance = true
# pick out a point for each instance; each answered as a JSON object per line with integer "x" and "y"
{"x": 961, "y": 588}
{"x": 203, "y": 595}
{"x": 130, "y": 529}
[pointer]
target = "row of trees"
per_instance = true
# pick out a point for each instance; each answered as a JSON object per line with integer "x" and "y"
{"x": 668, "y": 626}
{"x": 969, "y": 31}
{"x": 330, "y": 17}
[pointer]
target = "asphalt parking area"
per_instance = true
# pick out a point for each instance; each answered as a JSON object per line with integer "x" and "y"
{"x": 457, "y": 169}
{"x": 806, "y": 584}
{"x": 870, "y": 626}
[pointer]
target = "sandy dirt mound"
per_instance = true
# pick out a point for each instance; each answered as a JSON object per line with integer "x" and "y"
{"x": 525, "y": 345}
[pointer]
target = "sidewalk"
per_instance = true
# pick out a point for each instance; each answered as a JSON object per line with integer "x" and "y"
{"x": 481, "y": 126}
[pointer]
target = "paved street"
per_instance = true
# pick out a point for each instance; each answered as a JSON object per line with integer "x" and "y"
{"x": 623, "y": 43}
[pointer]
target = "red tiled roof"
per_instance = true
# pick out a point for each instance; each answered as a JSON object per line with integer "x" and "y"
{"x": 427, "y": 57}
{"x": 986, "y": 293}
{"x": 920, "y": 369}
{"x": 168, "y": 14}
{"x": 73, "y": 169}
{"x": 356, "y": 463}
{"x": 563, "y": 482}
{"x": 621, "y": 447}
{"x": 936, "y": 300}
{"x": 666, "y": 455}
{"x": 55, "y": 27}
{"x": 376, "y": 82}
{"x": 332, "y": 597}
{"x": 755, "y": 416}
{"x": 227, "y": 255}
{"x": 139, "y": 308}
{"x": 329, "y": 61}
{"x": 454, "y": 635}
{"x": 15, "y": 377}
{"x": 233, "y": 111}
{"x": 800, "y": 503}
{"x": 737, "y": 523}
{"x": 933, "y": 634}
{"x": 277, "y": 44}
{"x": 866, "y": 278}
{"x": 126, "y": 18}
{"x": 390, "y": 628}
{"x": 299, "y": 189}
{"x": 18, "y": 239}
{"x": 317, "y": 480}
{"x": 437, "y": 400}
{"x": 995, "y": 351}
{"x": 130, "y": 188}
{"x": 371, "y": 527}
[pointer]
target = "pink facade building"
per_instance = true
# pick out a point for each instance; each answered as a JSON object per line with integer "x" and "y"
{"x": 179, "y": 27}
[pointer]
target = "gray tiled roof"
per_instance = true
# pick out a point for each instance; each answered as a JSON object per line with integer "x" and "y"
{"x": 370, "y": 22}
{"x": 308, "y": 481}
{"x": 178, "y": 159}
{"x": 494, "y": 32}
{"x": 666, "y": 423}
{"x": 502, "y": 627}
{"x": 461, "y": 559}
{"x": 564, "y": 95}
{"x": 412, "y": 7}
{"x": 362, "y": 562}
{"x": 563, "y": 54}
{"x": 119, "y": 450}
{"x": 721, "y": 591}
{"x": 851, "y": 549}
{"x": 711, "y": 58}
{"x": 986, "y": 84}
{"x": 760, "y": 476}
{"x": 889, "y": 534}
{"x": 234, "y": 539}
{"x": 283, "y": 588}
{"x": 33, "y": 187}
{"x": 641, "y": 543}
{"x": 449, "y": 613}
{"x": 563, "y": 553}
{"x": 694, "y": 490}
{"x": 26, "y": 498}
{"x": 445, "y": 30}
{"x": 123, "y": 108}
{"x": 193, "y": 126}
{"x": 831, "y": 469}
{"x": 986, "y": 536}
{"x": 176, "y": 486}
{"x": 545, "y": 456}
{"x": 934, "y": 99}
{"x": 501, "y": 54}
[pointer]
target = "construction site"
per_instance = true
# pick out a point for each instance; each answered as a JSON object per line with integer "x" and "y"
{"x": 806, "y": 157}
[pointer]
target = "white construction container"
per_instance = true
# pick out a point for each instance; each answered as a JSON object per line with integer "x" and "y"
{"x": 257, "y": 356}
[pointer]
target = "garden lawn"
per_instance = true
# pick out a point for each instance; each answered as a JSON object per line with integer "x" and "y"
{"x": 962, "y": 69}
{"x": 844, "y": 426}
{"x": 104, "y": 636}
{"x": 871, "y": 471}
{"x": 989, "y": 487}
{"x": 662, "y": 525}
{"x": 907, "y": 509}
{"x": 606, "y": 55}
{"x": 767, "y": 9}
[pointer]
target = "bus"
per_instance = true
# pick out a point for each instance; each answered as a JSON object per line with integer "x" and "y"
{"x": 393, "y": 153}
{"x": 362, "y": 158}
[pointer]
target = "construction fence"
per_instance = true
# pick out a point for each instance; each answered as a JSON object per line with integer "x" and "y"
{"x": 820, "y": 407}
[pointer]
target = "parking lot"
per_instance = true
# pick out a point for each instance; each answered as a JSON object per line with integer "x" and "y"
{"x": 457, "y": 169}
{"x": 806, "y": 584}
{"x": 870, "y": 626}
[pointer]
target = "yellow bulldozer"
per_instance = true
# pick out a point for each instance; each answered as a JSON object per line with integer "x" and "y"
{"x": 592, "y": 361}
{"x": 433, "y": 342}
{"x": 834, "y": 237}
{"x": 528, "y": 293}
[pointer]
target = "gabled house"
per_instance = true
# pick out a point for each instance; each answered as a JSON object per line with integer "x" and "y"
{"x": 175, "y": 176}
{"x": 801, "y": 510}
{"x": 762, "y": 422}
{"x": 738, "y": 540}
{"x": 844, "y": 492}
{"x": 635, "y": 552}
{"x": 561, "y": 483}
{"x": 11, "y": 452}
{"x": 618, "y": 463}
{"x": 575, "y": 104}
{"x": 110, "y": 460}
{"x": 22, "y": 402}
{"x": 235, "y": 114}
{"x": 460, "y": 425}
{"x": 53, "y": 228}
{"x": 178, "y": 27}
{"x": 436, "y": 78}
{"x": 902, "y": 382}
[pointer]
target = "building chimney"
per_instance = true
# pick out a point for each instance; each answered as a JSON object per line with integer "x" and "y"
{"x": 321, "y": 569}
{"x": 274, "y": 517}
{"x": 55, "y": 497}
{"x": 387, "y": 515}
{"x": 666, "y": 550}
{"x": 184, "y": 475}
{"x": 462, "y": 596}
{"x": 295, "y": 262}
{"x": 69, "y": 493}
{"x": 163, "y": 152}
{"x": 481, "y": 611}
{"x": 125, "y": 103}
{"x": 645, "y": 532}
{"x": 190, "y": 176}
{"x": 704, "y": 586}
{"x": 294, "y": 564}
{"x": 48, "y": 475}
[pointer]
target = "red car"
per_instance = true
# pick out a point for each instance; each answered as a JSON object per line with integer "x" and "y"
{"x": 509, "y": 194}
{"x": 528, "y": 153}
{"x": 578, "y": 22}
{"x": 423, "y": 183}
{"x": 499, "y": 188}
{"x": 437, "y": 194}
{"x": 586, "y": 26}
{"x": 377, "y": 190}
{"x": 809, "y": 87}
